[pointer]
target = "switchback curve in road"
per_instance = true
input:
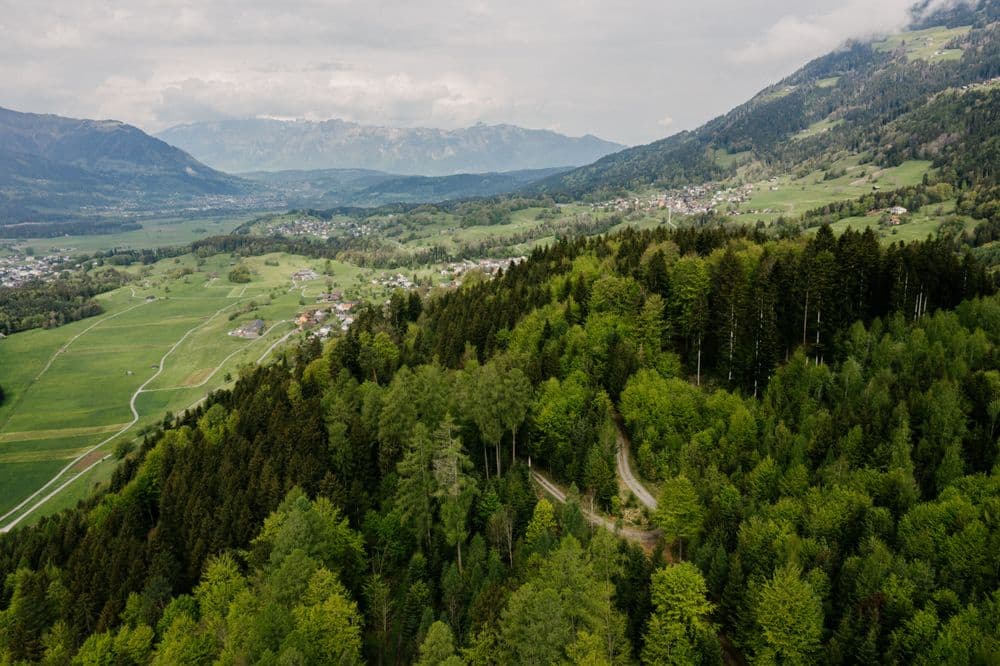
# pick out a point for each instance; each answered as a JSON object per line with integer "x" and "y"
{"x": 646, "y": 538}
{"x": 624, "y": 460}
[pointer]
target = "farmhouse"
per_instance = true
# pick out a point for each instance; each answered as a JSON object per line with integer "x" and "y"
{"x": 304, "y": 275}
{"x": 898, "y": 210}
{"x": 330, "y": 297}
{"x": 250, "y": 330}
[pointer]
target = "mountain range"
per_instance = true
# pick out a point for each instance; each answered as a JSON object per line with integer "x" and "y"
{"x": 240, "y": 146}
{"x": 890, "y": 100}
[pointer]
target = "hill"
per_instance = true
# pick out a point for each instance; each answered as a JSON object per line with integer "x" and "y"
{"x": 816, "y": 418}
{"x": 362, "y": 187}
{"x": 847, "y": 102}
{"x": 50, "y": 165}
{"x": 274, "y": 145}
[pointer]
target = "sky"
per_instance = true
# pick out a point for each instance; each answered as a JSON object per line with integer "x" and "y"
{"x": 630, "y": 71}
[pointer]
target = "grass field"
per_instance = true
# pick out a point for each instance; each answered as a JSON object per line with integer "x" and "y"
{"x": 926, "y": 44}
{"x": 161, "y": 344}
{"x": 791, "y": 196}
{"x": 918, "y": 226}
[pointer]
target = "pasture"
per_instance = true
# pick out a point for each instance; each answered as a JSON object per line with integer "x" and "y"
{"x": 929, "y": 44}
{"x": 155, "y": 232}
{"x": 793, "y": 195}
{"x": 160, "y": 346}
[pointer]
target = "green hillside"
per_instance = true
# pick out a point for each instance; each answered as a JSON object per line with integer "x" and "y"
{"x": 838, "y": 103}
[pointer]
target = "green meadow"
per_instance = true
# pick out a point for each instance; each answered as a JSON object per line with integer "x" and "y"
{"x": 163, "y": 340}
{"x": 158, "y": 232}
{"x": 916, "y": 226}
{"x": 929, "y": 44}
{"x": 793, "y": 195}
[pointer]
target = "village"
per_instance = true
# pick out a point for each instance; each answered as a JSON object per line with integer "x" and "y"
{"x": 690, "y": 200}
{"x": 21, "y": 268}
{"x": 315, "y": 227}
{"x": 333, "y": 312}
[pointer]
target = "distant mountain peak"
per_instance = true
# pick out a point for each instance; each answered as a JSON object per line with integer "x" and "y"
{"x": 276, "y": 145}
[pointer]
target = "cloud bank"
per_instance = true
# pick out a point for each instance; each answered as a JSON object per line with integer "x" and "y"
{"x": 630, "y": 71}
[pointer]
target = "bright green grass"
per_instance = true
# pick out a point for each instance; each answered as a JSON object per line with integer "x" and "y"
{"x": 794, "y": 196}
{"x": 81, "y": 398}
{"x": 728, "y": 160}
{"x": 81, "y": 489}
{"x": 922, "y": 224}
{"x": 926, "y": 44}
{"x": 818, "y": 128}
{"x": 830, "y": 82}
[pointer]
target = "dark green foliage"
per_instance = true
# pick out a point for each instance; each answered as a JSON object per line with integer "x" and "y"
{"x": 846, "y": 481}
{"x": 50, "y": 304}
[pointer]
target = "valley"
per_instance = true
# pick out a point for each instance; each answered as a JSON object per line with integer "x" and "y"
{"x": 728, "y": 397}
{"x": 79, "y": 392}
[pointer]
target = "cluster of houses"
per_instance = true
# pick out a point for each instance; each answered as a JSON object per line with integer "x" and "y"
{"x": 325, "y": 320}
{"x": 992, "y": 82}
{"x": 143, "y": 206}
{"x": 452, "y": 273}
{"x": 397, "y": 281}
{"x": 304, "y": 275}
{"x": 318, "y": 228}
{"x": 690, "y": 200}
{"x": 18, "y": 269}
{"x": 894, "y": 216}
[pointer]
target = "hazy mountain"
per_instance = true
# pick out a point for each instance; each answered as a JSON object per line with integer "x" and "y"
{"x": 325, "y": 188}
{"x": 854, "y": 100}
{"x": 50, "y": 163}
{"x": 275, "y": 145}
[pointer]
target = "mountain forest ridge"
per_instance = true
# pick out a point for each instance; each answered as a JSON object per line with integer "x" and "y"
{"x": 861, "y": 99}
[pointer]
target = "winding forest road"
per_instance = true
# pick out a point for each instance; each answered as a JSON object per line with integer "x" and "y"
{"x": 648, "y": 539}
{"x": 645, "y": 538}
{"x": 625, "y": 473}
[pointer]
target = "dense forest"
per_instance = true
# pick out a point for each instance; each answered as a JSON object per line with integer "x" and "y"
{"x": 48, "y": 304}
{"x": 818, "y": 417}
{"x": 69, "y": 226}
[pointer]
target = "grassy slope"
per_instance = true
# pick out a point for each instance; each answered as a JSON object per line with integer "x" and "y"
{"x": 82, "y": 398}
{"x": 926, "y": 44}
{"x": 795, "y": 196}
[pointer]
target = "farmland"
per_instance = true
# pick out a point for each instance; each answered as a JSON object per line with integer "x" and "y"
{"x": 792, "y": 195}
{"x": 160, "y": 346}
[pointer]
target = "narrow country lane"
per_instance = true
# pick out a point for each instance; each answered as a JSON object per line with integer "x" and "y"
{"x": 625, "y": 467}
{"x": 645, "y": 538}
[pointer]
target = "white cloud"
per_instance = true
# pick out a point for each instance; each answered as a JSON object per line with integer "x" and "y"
{"x": 582, "y": 66}
{"x": 797, "y": 36}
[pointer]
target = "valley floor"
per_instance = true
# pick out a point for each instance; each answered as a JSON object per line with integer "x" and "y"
{"x": 78, "y": 392}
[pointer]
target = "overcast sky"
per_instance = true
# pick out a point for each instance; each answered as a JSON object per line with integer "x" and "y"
{"x": 626, "y": 70}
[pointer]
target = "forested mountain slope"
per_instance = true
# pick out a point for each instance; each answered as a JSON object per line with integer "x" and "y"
{"x": 50, "y": 163}
{"x": 820, "y": 415}
{"x": 847, "y": 98}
